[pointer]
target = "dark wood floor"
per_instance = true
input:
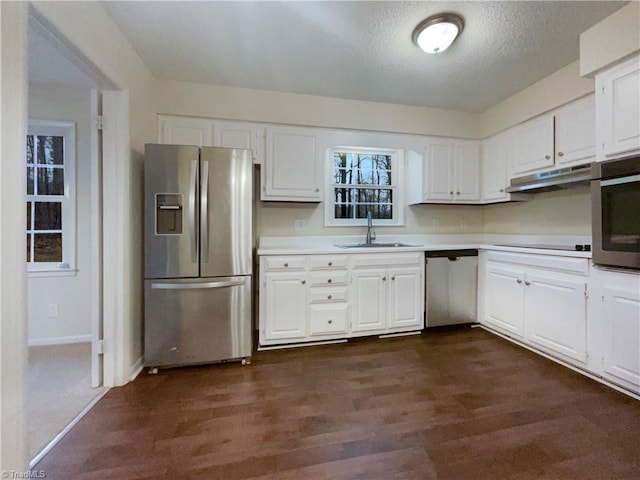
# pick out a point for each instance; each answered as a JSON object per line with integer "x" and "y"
{"x": 456, "y": 404}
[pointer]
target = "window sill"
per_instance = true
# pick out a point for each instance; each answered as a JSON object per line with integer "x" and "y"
{"x": 58, "y": 272}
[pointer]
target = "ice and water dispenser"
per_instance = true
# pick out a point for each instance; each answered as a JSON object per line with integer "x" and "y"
{"x": 169, "y": 213}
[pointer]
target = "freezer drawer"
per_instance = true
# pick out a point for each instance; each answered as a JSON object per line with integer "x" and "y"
{"x": 194, "y": 321}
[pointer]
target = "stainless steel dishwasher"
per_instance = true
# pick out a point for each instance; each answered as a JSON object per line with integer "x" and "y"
{"x": 451, "y": 287}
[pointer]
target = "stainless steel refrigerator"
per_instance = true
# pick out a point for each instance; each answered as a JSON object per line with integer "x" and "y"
{"x": 198, "y": 254}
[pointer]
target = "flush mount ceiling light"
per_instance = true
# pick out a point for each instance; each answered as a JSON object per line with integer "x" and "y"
{"x": 436, "y": 33}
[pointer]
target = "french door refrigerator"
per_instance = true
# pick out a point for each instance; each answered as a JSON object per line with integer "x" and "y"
{"x": 198, "y": 254}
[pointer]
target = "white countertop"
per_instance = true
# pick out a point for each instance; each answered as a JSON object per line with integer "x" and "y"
{"x": 311, "y": 245}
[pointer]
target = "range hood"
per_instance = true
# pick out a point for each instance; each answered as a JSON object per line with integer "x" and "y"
{"x": 562, "y": 178}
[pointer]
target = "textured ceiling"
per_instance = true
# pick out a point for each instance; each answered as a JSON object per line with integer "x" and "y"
{"x": 359, "y": 50}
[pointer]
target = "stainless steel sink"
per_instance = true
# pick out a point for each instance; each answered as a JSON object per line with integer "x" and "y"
{"x": 376, "y": 245}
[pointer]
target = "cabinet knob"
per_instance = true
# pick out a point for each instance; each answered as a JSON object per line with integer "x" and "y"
{"x": 384, "y": 279}
{"x": 457, "y": 193}
{"x": 527, "y": 283}
{"x": 393, "y": 278}
{"x": 329, "y": 297}
{"x": 329, "y": 321}
{"x": 304, "y": 281}
{"x": 519, "y": 281}
{"x": 330, "y": 263}
{"x": 451, "y": 192}
{"x": 316, "y": 190}
{"x": 286, "y": 265}
{"x": 547, "y": 157}
{"x": 502, "y": 190}
{"x": 560, "y": 154}
{"x": 329, "y": 281}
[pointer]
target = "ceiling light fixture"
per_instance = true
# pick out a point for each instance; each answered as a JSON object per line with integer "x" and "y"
{"x": 436, "y": 33}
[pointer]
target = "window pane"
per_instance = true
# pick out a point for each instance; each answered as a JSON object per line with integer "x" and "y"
{"x": 28, "y": 215}
{"x": 343, "y": 211}
{"x": 48, "y": 216}
{"x": 30, "y": 180}
{"x": 50, "y": 181}
{"x": 50, "y": 150}
{"x": 47, "y": 247}
{"x": 29, "y": 148}
{"x": 28, "y": 247}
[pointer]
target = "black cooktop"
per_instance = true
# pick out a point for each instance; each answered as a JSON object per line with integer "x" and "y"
{"x": 570, "y": 248}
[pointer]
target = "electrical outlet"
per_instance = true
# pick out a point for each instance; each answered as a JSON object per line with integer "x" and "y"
{"x": 53, "y": 310}
{"x": 435, "y": 222}
{"x": 299, "y": 224}
{"x": 463, "y": 224}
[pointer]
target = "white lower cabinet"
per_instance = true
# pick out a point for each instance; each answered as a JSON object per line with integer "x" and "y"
{"x": 537, "y": 299}
{"x": 617, "y": 324}
{"x": 340, "y": 296}
{"x": 285, "y": 305}
{"x": 504, "y": 301}
{"x": 556, "y": 313}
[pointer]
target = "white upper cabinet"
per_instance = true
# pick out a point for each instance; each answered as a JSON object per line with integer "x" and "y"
{"x": 240, "y": 135}
{"x": 495, "y": 178}
{"x": 532, "y": 145}
{"x": 448, "y": 173}
{"x": 292, "y": 169}
{"x": 185, "y": 131}
{"x": 618, "y": 110}
{"x": 205, "y": 132}
{"x": 576, "y": 132}
{"x": 564, "y": 137}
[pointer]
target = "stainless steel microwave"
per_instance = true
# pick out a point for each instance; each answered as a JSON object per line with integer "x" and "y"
{"x": 615, "y": 202}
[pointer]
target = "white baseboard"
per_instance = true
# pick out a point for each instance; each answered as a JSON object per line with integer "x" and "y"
{"x": 34, "y": 342}
{"x": 136, "y": 368}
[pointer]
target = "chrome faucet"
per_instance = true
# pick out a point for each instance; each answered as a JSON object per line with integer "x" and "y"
{"x": 371, "y": 236}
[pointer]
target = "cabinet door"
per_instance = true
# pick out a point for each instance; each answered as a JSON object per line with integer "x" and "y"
{"x": 241, "y": 135}
{"x": 467, "y": 171}
{"x": 438, "y": 171}
{"x": 617, "y": 107}
{"x": 494, "y": 169}
{"x": 185, "y": 131}
{"x": 533, "y": 144}
{"x": 576, "y": 132}
{"x": 286, "y": 306}
{"x": 406, "y": 294}
{"x": 293, "y": 165}
{"x": 622, "y": 336}
{"x": 369, "y": 300}
{"x": 556, "y": 313}
{"x": 504, "y": 299}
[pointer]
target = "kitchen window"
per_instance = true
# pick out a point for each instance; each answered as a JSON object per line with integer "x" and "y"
{"x": 363, "y": 180}
{"x": 50, "y": 205}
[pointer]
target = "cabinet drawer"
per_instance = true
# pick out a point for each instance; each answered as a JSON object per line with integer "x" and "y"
{"x": 322, "y": 262}
{"x": 386, "y": 259}
{"x": 329, "y": 278}
{"x": 579, "y": 266}
{"x": 328, "y": 319}
{"x": 285, "y": 263}
{"x": 329, "y": 294}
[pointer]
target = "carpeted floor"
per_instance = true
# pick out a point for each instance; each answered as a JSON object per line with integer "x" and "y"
{"x": 58, "y": 389}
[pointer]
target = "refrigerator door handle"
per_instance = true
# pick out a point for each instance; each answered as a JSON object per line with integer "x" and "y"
{"x": 204, "y": 213}
{"x": 192, "y": 210}
{"x": 192, "y": 286}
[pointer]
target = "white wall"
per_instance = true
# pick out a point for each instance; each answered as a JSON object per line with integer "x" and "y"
{"x": 614, "y": 38}
{"x": 99, "y": 43}
{"x": 72, "y": 293}
{"x": 214, "y": 101}
{"x": 566, "y": 212}
{"x": 13, "y": 349}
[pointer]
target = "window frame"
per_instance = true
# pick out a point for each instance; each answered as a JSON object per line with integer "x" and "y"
{"x": 67, "y": 130}
{"x": 396, "y": 186}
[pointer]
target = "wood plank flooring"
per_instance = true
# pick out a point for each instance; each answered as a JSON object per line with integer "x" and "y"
{"x": 451, "y": 404}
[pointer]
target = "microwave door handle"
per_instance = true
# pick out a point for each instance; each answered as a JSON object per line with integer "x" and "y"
{"x": 204, "y": 212}
{"x": 193, "y": 179}
{"x": 620, "y": 181}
